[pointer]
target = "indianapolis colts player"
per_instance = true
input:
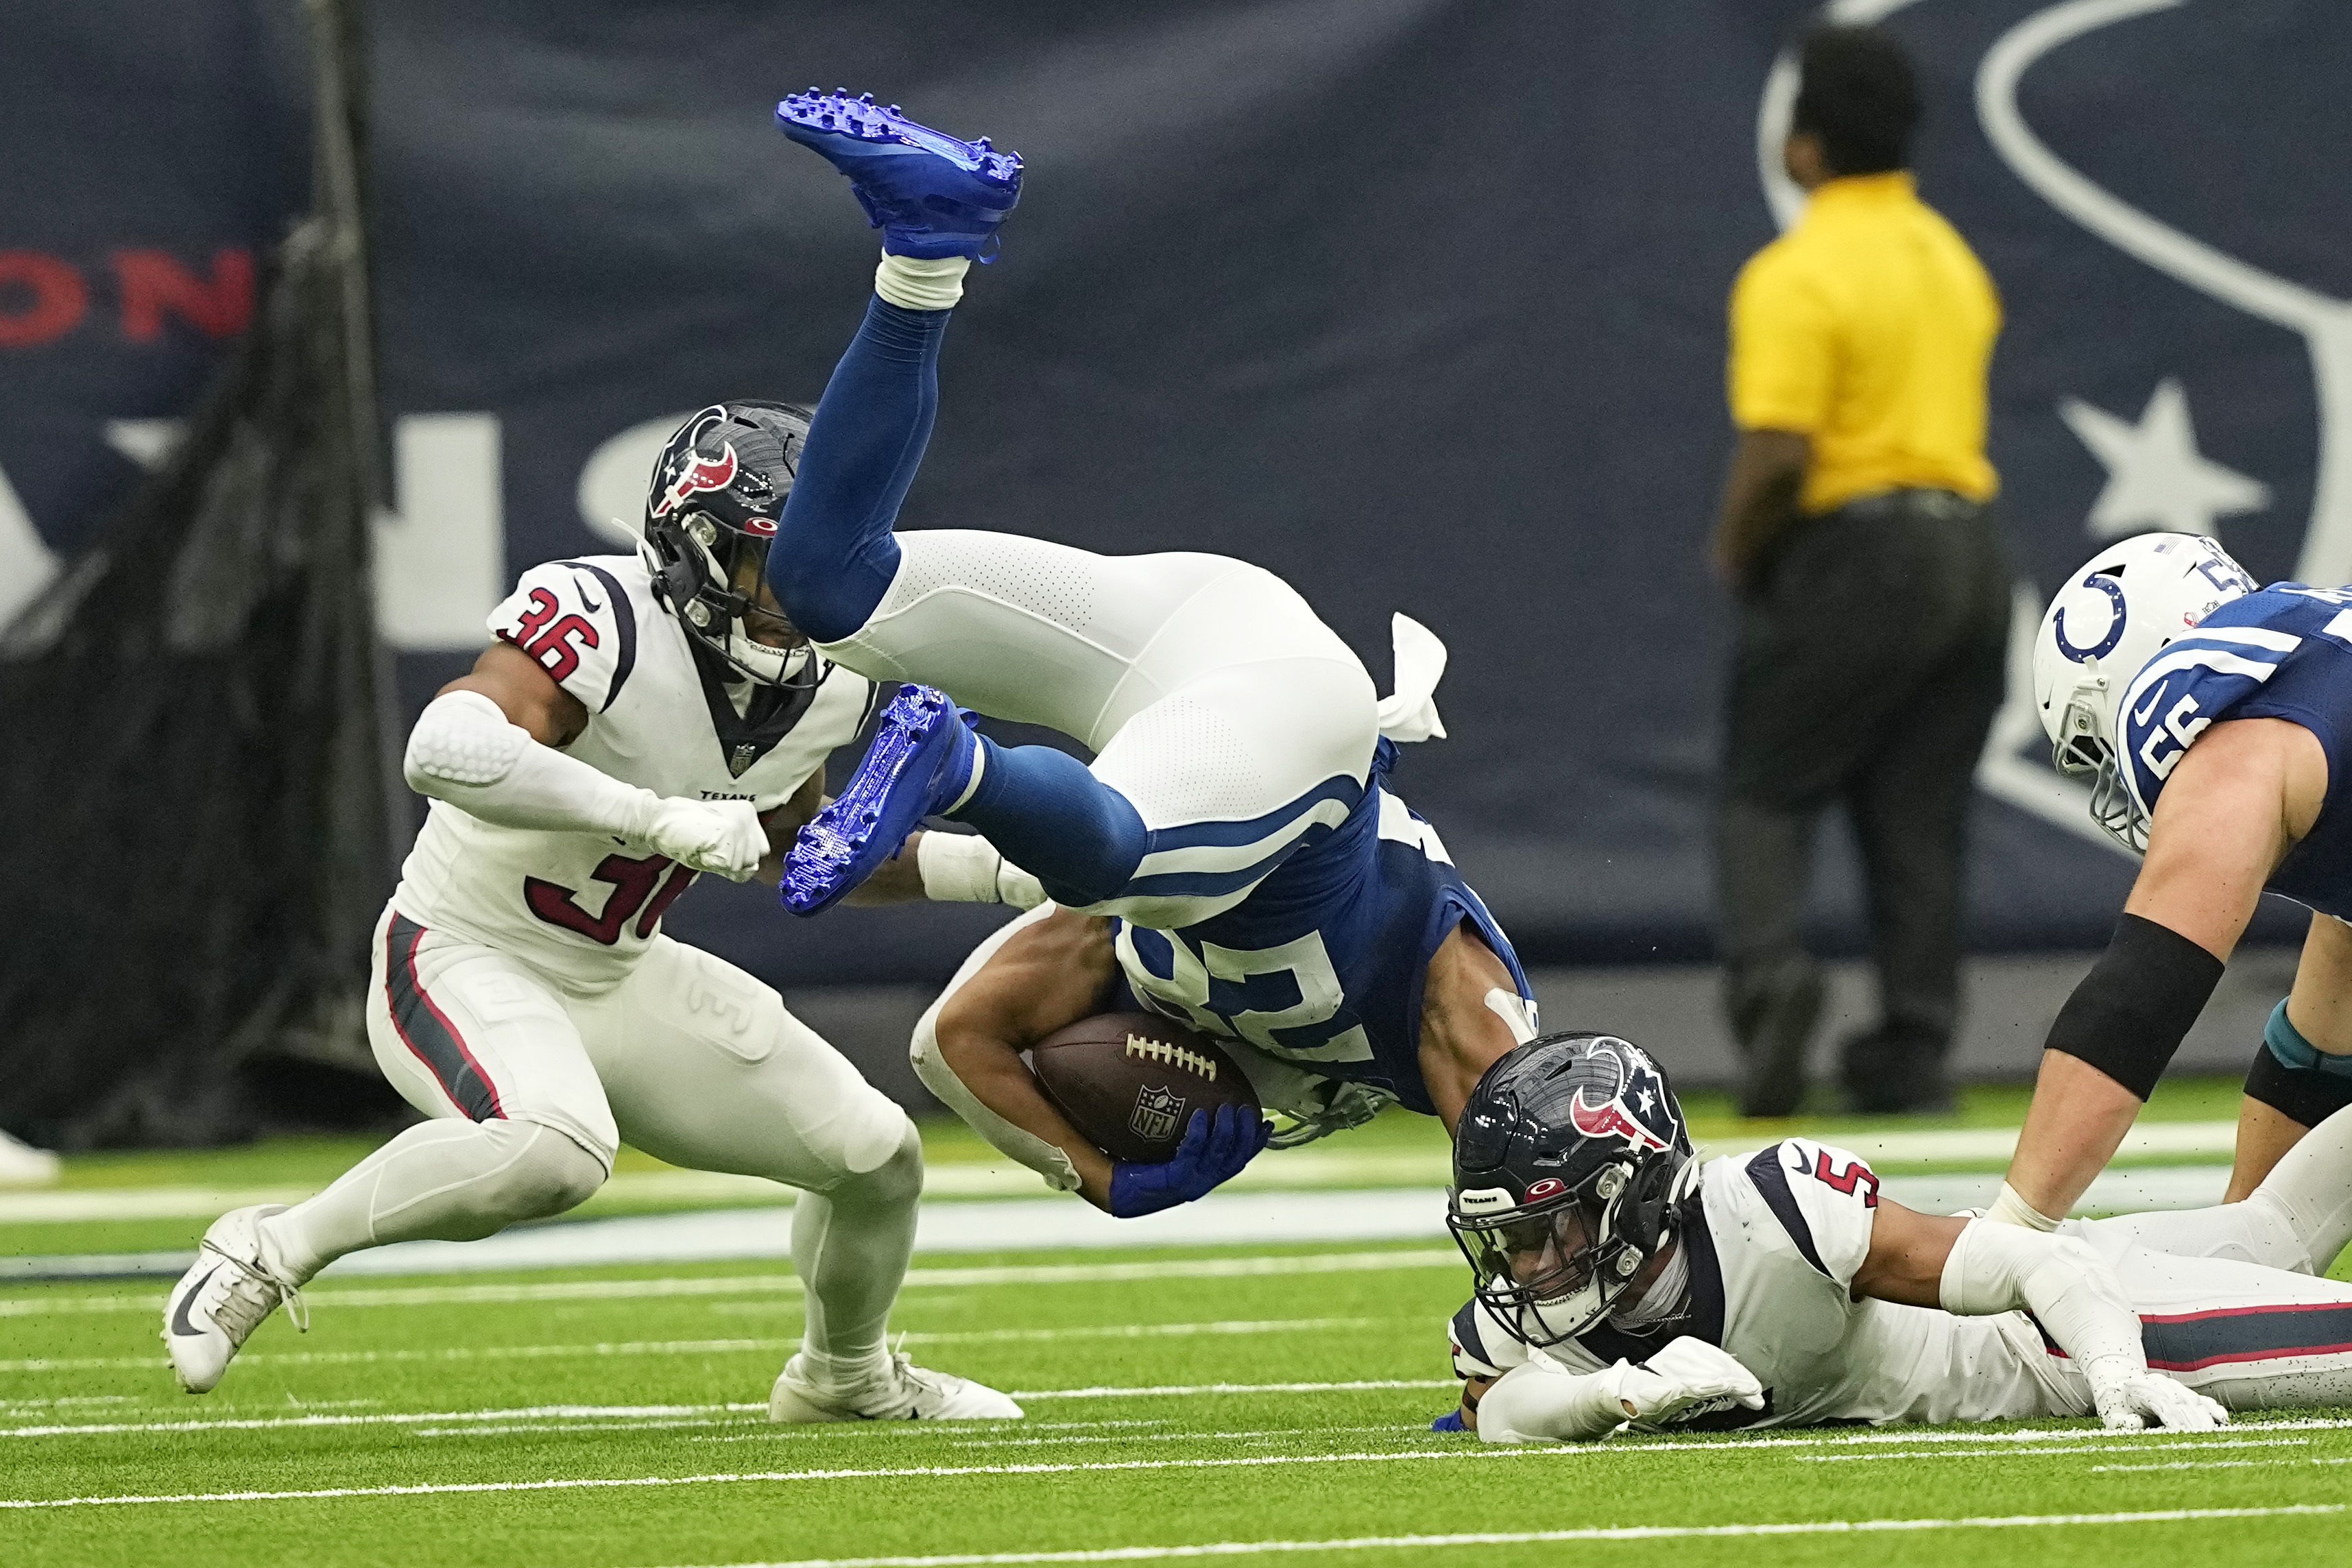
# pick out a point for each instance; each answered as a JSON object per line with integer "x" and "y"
{"x": 1232, "y": 853}
{"x": 1621, "y": 1281}
{"x": 2212, "y": 720}
{"x": 636, "y": 722}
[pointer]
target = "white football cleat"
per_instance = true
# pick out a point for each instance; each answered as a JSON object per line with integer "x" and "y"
{"x": 223, "y": 1298}
{"x": 904, "y": 1392}
{"x": 21, "y": 1164}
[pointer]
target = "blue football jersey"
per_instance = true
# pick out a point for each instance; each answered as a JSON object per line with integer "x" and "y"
{"x": 1321, "y": 966}
{"x": 2283, "y": 652}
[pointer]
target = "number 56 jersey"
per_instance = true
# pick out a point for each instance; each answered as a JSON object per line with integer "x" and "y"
{"x": 2283, "y": 652}
{"x": 584, "y": 906}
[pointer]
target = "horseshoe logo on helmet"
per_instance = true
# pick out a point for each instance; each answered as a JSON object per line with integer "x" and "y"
{"x": 2104, "y": 645}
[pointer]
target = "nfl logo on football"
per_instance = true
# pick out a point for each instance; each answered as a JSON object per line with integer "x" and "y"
{"x": 1156, "y": 1111}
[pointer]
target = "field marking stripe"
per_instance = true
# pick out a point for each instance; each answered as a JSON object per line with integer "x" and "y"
{"x": 1238, "y": 1326}
{"x": 1528, "y": 1536}
{"x": 1254, "y": 1461}
{"x": 1176, "y": 1389}
{"x": 754, "y": 1284}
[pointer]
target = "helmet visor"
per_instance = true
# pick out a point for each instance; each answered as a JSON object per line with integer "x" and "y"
{"x": 1540, "y": 1274}
{"x": 1545, "y": 1256}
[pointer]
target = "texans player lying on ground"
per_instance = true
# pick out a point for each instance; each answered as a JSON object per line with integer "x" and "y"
{"x": 636, "y": 722}
{"x": 1232, "y": 850}
{"x": 1622, "y": 1281}
{"x": 2213, "y": 720}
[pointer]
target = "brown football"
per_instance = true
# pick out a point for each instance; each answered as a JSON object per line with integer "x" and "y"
{"x": 1130, "y": 1081}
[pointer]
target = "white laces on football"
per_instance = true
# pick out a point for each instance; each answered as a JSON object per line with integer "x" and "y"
{"x": 239, "y": 1295}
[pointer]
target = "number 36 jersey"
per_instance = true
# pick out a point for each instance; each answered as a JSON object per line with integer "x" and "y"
{"x": 2283, "y": 652}
{"x": 584, "y": 906}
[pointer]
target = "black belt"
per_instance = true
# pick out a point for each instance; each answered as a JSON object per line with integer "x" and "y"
{"x": 1939, "y": 506}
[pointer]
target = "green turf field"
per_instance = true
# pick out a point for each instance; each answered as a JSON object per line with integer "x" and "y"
{"x": 1256, "y": 1400}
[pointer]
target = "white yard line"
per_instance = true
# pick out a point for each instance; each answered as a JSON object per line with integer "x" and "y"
{"x": 951, "y": 1179}
{"x": 1015, "y": 1225}
{"x": 768, "y": 1284}
{"x": 1532, "y": 1537}
{"x": 2215, "y": 1465}
{"x": 2041, "y": 1450}
{"x": 1463, "y": 1455}
{"x": 705, "y": 1346}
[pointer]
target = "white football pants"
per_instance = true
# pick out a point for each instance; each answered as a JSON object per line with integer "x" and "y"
{"x": 532, "y": 1089}
{"x": 1209, "y": 691}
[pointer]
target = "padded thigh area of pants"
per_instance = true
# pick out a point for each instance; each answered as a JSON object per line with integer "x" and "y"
{"x": 1239, "y": 743}
{"x": 704, "y": 1068}
{"x": 1042, "y": 633}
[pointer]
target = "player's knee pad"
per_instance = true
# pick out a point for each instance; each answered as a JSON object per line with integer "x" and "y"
{"x": 545, "y": 1172}
{"x": 897, "y": 1181}
{"x": 2295, "y": 1078}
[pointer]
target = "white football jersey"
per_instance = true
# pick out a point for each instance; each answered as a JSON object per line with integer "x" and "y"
{"x": 1773, "y": 1243}
{"x": 584, "y": 906}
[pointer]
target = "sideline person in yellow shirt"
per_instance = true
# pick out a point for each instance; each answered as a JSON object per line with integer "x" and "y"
{"x": 1873, "y": 599}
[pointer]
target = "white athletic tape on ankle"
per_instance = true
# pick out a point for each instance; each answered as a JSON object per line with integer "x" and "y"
{"x": 917, "y": 283}
{"x": 464, "y": 738}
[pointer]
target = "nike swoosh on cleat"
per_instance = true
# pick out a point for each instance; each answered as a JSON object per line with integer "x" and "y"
{"x": 179, "y": 1323}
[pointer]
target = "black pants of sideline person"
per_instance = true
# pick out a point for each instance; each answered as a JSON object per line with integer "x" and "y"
{"x": 1869, "y": 665}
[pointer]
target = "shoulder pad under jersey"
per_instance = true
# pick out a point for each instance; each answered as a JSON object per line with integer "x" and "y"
{"x": 574, "y": 620}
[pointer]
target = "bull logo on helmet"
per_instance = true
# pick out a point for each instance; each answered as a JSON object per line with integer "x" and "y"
{"x": 1611, "y": 1118}
{"x": 696, "y": 475}
{"x": 1640, "y": 1111}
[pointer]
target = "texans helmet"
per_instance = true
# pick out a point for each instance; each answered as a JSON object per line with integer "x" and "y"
{"x": 712, "y": 510}
{"x": 2129, "y": 600}
{"x": 1568, "y": 1164}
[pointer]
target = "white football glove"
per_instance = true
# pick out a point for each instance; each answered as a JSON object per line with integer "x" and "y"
{"x": 1540, "y": 1400}
{"x": 721, "y": 836}
{"x": 1688, "y": 1372}
{"x": 2129, "y": 1400}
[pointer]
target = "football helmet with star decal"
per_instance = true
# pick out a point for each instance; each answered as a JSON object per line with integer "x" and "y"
{"x": 712, "y": 505}
{"x": 1567, "y": 1162}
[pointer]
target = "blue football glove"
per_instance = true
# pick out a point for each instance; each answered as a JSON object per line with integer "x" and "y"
{"x": 1210, "y": 1154}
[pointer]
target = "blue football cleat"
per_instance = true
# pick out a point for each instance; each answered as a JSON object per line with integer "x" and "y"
{"x": 1449, "y": 1422}
{"x": 930, "y": 196}
{"x": 921, "y": 759}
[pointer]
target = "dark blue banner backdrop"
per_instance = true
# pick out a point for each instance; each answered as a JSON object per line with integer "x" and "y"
{"x": 1417, "y": 302}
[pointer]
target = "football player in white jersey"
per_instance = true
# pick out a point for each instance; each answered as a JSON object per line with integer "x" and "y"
{"x": 638, "y": 721}
{"x": 1232, "y": 854}
{"x": 1622, "y": 1281}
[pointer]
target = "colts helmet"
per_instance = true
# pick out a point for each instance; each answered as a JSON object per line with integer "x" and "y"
{"x": 2129, "y": 600}
{"x": 711, "y": 509}
{"x": 1567, "y": 1162}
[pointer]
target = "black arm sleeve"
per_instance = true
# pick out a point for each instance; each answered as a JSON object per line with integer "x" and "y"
{"x": 2133, "y": 1010}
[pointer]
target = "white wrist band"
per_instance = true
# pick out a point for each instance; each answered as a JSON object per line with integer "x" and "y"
{"x": 957, "y": 868}
{"x": 2010, "y": 1209}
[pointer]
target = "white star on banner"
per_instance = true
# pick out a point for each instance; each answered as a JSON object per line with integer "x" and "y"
{"x": 2155, "y": 476}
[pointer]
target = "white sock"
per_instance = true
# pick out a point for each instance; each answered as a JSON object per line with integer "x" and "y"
{"x": 913, "y": 283}
{"x": 850, "y": 1247}
{"x": 443, "y": 1180}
